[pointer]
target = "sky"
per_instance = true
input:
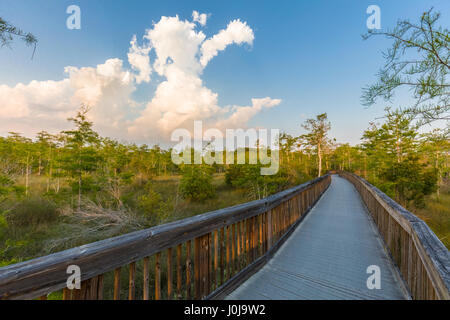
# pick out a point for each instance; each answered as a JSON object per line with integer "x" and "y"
{"x": 147, "y": 68}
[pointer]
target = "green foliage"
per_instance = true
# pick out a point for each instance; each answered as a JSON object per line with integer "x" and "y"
{"x": 196, "y": 183}
{"x": 419, "y": 60}
{"x": 80, "y": 156}
{"x": 390, "y": 142}
{"x": 8, "y": 32}
{"x": 248, "y": 177}
{"x": 391, "y": 151}
{"x": 153, "y": 207}
{"x": 149, "y": 202}
{"x": 5, "y": 187}
{"x": 410, "y": 181}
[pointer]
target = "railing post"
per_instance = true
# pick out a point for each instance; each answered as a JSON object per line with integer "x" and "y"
{"x": 158, "y": 276}
{"x": 197, "y": 277}
{"x": 269, "y": 230}
{"x": 202, "y": 266}
{"x": 188, "y": 269}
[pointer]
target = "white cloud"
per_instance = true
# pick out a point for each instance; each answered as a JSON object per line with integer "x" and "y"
{"x": 241, "y": 115}
{"x": 24, "y": 100}
{"x": 107, "y": 90}
{"x": 139, "y": 60}
{"x": 40, "y": 105}
{"x": 236, "y": 32}
{"x": 199, "y": 17}
{"x": 180, "y": 55}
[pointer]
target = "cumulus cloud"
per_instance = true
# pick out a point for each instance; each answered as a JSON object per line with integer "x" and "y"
{"x": 241, "y": 115}
{"x": 107, "y": 90}
{"x": 139, "y": 60}
{"x": 179, "y": 55}
{"x": 39, "y": 105}
{"x": 236, "y": 32}
{"x": 199, "y": 17}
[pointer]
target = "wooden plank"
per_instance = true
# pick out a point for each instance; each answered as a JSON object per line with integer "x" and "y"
{"x": 146, "y": 271}
{"x": 84, "y": 292}
{"x": 222, "y": 255}
{"x": 76, "y": 293}
{"x": 233, "y": 249}
{"x": 117, "y": 283}
{"x": 158, "y": 276}
{"x": 202, "y": 281}
{"x": 216, "y": 258}
{"x": 228, "y": 245}
{"x": 197, "y": 266}
{"x": 206, "y": 280}
{"x": 188, "y": 269}
{"x": 260, "y": 224}
{"x": 255, "y": 238}
{"x": 131, "y": 281}
{"x": 169, "y": 274}
{"x": 238, "y": 246}
{"x": 100, "y": 287}
{"x": 264, "y": 232}
{"x": 93, "y": 288}
{"x": 248, "y": 240}
{"x": 434, "y": 269}
{"x": 210, "y": 263}
{"x": 179, "y": 271}
{"x": 269, "y": 230}
{"x": 67, "y": 294}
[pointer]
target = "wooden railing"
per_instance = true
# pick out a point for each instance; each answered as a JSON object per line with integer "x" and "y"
{"x": 423, "y": 261}
{"x": 205, "y": 256}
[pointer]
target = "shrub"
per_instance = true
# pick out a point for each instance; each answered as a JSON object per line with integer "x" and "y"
{"x": 248, "y": 176}
{"x": 196, "y": 183}
{"x": 32, "y": 212}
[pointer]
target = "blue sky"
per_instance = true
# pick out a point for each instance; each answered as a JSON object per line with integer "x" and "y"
{"x": 310, "y": 54}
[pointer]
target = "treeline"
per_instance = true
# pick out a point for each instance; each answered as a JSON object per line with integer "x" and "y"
{"x": 394, "y": 156}
{"x": 57, "y": 191}
{"x": 79, "y": 163}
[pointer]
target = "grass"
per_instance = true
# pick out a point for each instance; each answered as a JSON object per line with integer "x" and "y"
{"x": 226, "y": 196}
{"x": 26, "y": 241}
{"x": 436, "y": 214}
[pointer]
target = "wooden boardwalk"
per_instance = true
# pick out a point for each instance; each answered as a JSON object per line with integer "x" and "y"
{"x": 327, "y": 256}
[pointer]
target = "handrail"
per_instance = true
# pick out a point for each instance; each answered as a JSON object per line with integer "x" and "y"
{"x": 247, "y": 232}
{"x": 423, "y": 260}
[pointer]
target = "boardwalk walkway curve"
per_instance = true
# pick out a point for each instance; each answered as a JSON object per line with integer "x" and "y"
{"x": 328, "y": 255}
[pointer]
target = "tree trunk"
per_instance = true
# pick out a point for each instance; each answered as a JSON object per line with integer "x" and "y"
{"x": 319, "y": 154}
{"x": 79, "y": 192}
{"x": 26, "y": 176}
{"x": 438, "y": 174}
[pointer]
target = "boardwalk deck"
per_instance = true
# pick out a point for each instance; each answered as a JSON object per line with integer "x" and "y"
{"x": 328, "y": 255}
